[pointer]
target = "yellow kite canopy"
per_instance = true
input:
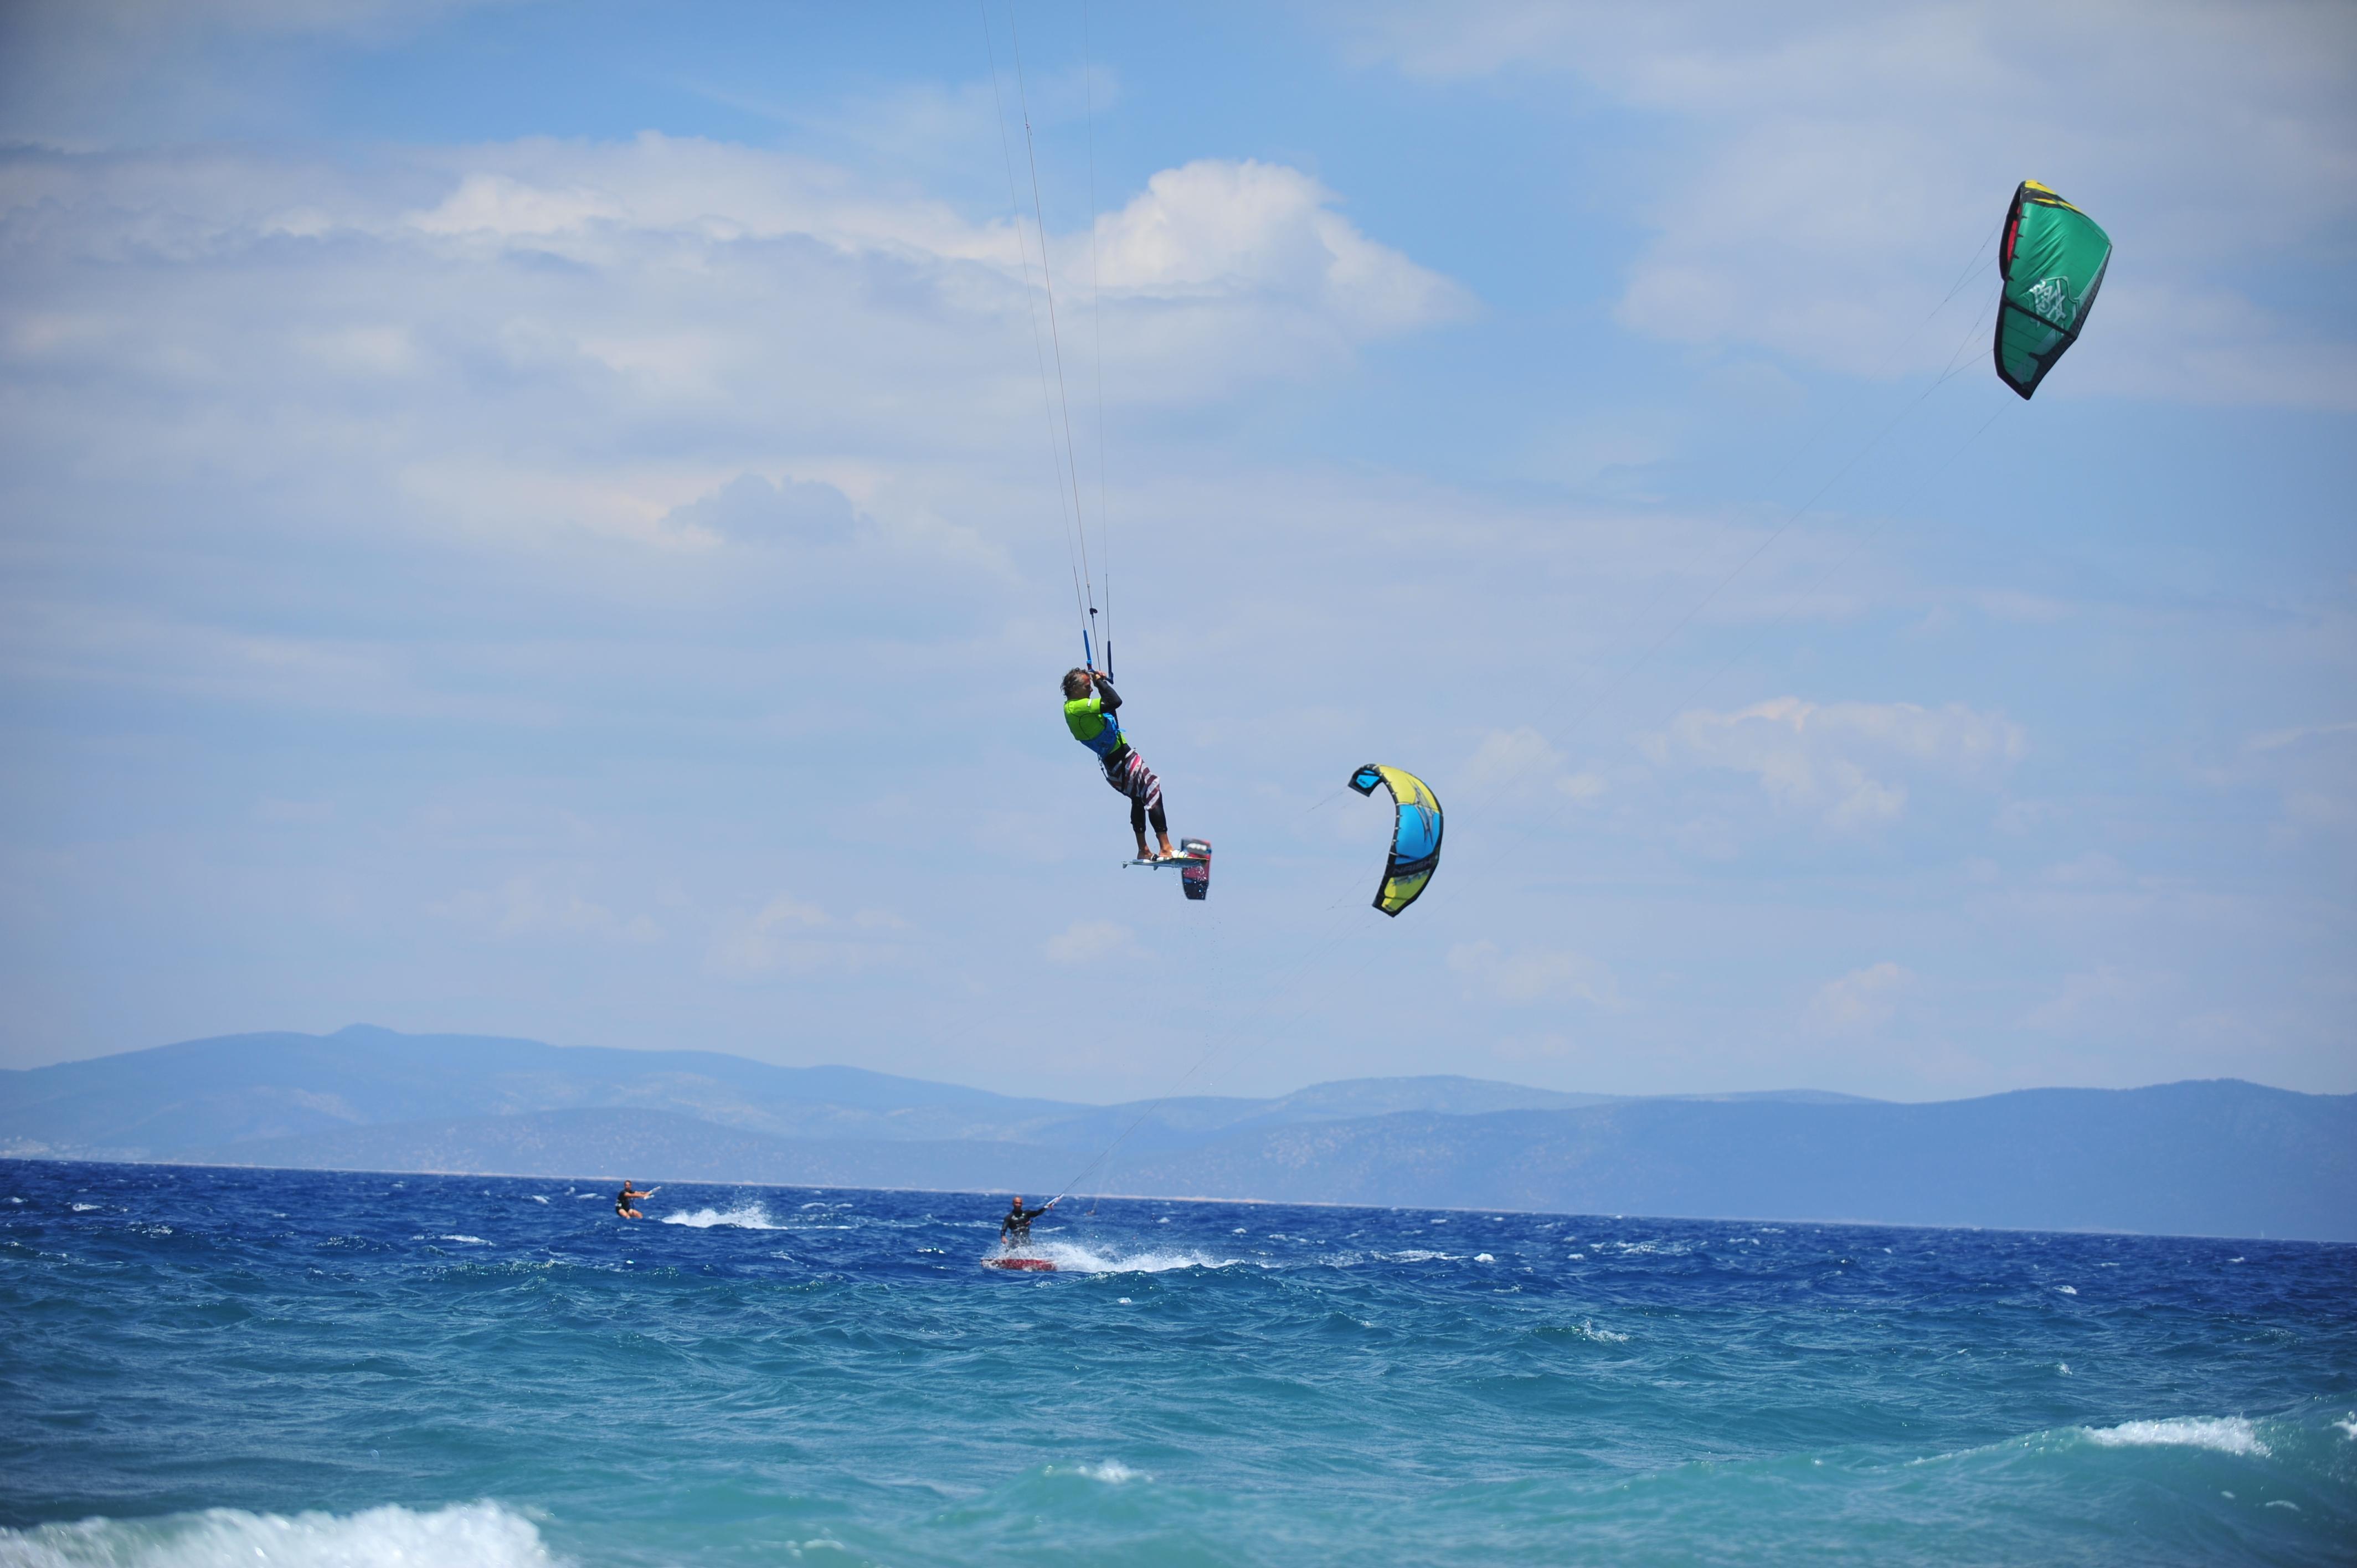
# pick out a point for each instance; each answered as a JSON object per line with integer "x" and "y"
{"x": 1415, "y": 835}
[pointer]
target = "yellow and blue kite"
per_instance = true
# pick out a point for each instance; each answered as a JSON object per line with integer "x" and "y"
{"x": 1416, "y": 836}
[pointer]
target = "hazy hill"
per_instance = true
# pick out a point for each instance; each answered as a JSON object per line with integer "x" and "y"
{"x": 239, "y": 1089}
{"x": 2215, "y": 1157}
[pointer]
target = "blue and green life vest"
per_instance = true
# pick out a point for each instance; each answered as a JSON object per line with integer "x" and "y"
{"x": 1093, "y": 726}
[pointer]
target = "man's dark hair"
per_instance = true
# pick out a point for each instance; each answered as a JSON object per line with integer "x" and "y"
{"x": 1076, "y": 683}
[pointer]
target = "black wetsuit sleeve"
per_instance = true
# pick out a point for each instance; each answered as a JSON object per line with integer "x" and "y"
{"x": 1106, "y": 694}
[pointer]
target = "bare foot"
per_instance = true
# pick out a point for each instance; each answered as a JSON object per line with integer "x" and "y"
{"x": 1168, "y": 852}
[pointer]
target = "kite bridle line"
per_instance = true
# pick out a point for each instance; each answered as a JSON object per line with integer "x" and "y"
{"x": 1097, "y": 331}
{"x": 1059, "y": 415}
{"x": 1059, "y": 449}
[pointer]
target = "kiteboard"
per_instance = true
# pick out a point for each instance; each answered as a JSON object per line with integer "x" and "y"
{"x": 1037, "y": 1266}
{"x": 1194, "y": 863}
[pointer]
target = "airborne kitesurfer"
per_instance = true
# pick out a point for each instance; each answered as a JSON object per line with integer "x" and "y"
{"x": 1016, "y": 1227}
{"x": 1090, "y": 703}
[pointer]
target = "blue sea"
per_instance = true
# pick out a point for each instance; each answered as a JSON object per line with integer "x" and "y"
{"x": 213, "y": 1367}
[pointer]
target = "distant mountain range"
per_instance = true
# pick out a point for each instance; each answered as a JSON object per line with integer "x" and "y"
{"x": 2220, "y": 1157}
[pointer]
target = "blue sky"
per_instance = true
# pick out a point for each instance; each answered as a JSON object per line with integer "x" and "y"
{"x": 540, "y": 519}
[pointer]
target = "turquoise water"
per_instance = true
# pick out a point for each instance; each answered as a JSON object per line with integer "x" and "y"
{"x": 256, "y": 1367}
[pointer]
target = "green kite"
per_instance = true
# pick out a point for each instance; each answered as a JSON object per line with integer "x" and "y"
{"x": 2052, "y": 261}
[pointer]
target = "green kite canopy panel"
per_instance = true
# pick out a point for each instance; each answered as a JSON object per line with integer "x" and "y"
{"x": 2053, "y": 260}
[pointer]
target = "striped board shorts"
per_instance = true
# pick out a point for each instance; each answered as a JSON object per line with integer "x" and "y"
{"x": 1128, "y": 774}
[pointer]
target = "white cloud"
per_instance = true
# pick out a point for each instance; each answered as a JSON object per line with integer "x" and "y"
{"x": 523, "y": 907}
{"x": 1213, "y": 230}
{"x": 1830, "y": 168}
{"x": 2298, "y": 734}
{"x": 1533, "y": 974}
{"x": 752, "y": 509}
{"x": 524, "y": 339}
{"x": 1860, "y": 1002}
{"x": 2312, "y": 770}
{"x": 1815, "y": 758}
{"x": 790, "y": 935}
{"x": 1088, "y": 942}
{"x": 1518, "y": 761}
{"x": 2098, "y": 996}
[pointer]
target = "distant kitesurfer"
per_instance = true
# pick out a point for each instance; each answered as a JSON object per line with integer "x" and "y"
{"x": 626, "y": 1200}
{"x": 1090, "y": 716}
{"x": 1016, "y": 1227}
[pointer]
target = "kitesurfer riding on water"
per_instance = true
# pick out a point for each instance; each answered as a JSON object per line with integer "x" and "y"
{"x": 1090, "y": 716}
{"x": 1016, "y": 1227}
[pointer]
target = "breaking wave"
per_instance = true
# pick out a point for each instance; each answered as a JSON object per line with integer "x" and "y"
{"x": 745, "y": 1216}
{"x": 2226, "y": 1433}
{"x": 1070, "y": 1258}
{"x": 482, "y": 1535}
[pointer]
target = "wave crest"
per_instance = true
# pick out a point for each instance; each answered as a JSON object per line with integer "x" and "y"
{"x": 1071, "y": 1257}
{"x": 745, "y": 1216}
{"x": 2226, "y": 1433}
{"x": 483, "y": 1535}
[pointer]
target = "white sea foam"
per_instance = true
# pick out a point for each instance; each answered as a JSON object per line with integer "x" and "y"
{"x": 2068, "y": 1290}
{"x": 535, "y": 1198}
{"x": 1417, "y": 1255}
{"x": 2226, "y": 1433}
{"x": 745, "y": 1216}
{"x": 1071, "y": 1257}
{"x": 1483, "y": 1258}
{"x": 2348, "y": 1428}
{"x": 469, "y": 1240}
{"x": 482, "y": 1535}
{"x": 1113, "y": 1472}
{"x": 83, "y": 1208}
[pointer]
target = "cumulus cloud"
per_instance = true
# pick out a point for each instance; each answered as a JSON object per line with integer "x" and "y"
{"x": 1533, "y": 974}
{"x": 2311, "y": 770}
{"x": 2091, "y": 997}
{"x": 796, "y": 937}
{"x": 524, "y": 906}
{"x": 1860, "y": 1002}
{"x": 1215, "y": 230}
{"x": 751, "y": 510}
{"x": 1087, "y": 942}
{"x": 1831, "y": 168}
{"x": 623, "y": 328}
{"x": 1817, "y": 756}
{"x": 1521, "y": 761}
